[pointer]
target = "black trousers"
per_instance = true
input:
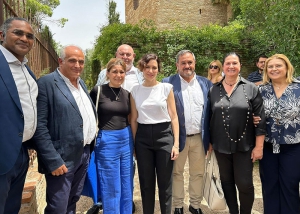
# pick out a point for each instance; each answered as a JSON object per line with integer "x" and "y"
{"x": 237, "y": 170}
{"x": 153, "y": 145}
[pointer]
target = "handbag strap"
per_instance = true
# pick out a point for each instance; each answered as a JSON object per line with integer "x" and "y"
{"x": 97, "y": 101}
{"x": 215, "y": 166}
{"x": 208, "y": 164}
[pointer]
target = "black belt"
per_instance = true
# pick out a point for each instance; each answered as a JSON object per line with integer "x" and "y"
{"x": 191, "y": 135}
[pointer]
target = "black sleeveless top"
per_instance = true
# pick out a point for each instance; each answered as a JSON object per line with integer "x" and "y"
{"x": 112, "y": 113}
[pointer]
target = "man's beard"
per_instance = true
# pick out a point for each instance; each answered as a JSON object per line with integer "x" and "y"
{"x": 129, "y": 66}
{"x": 189, "y": 73}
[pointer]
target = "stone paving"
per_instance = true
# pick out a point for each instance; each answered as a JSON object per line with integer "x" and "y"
{"x": 85, "y": 203}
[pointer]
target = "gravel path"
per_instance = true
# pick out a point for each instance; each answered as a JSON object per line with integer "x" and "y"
{"x": 85, "y": 203}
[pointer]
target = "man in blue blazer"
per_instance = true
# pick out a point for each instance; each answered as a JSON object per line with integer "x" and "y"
{"x": 66, "y": 127}
{"x": 18, "y": 92}
{"x": 190, "y": 92}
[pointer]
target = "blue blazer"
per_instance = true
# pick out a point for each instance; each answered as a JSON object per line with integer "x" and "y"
{"x": 11, "y": 118}
{"x": 205, "y": 85}
{"x": 59, "y": 135}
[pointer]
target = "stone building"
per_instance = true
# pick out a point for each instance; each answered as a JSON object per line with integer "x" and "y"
{"x": 168, "y": 13}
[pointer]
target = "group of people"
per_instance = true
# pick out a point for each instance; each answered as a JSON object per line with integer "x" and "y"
{"x": 161, "y": 124}
{"x": 250, "y": 123}
{"x": 54, "y": 115}
{"x": 156, "y": 130}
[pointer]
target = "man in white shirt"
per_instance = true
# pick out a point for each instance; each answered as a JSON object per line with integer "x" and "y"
{"x": 18, "y": 120}
{"x": 66, "y": 127}
{"x": 190, "y": 92}
{"x": 133, "y": 75}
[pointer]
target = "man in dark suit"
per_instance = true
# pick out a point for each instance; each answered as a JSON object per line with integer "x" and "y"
{"x": 18, "y": 92}
{"x": 66, "y": 126}
{"x": 190, "y": 92}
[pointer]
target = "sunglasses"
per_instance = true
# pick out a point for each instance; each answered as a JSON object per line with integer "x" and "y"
{"x": 213, "y": 67}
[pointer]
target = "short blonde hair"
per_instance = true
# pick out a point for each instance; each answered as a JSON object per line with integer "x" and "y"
{"x": 290, "y": 68}
{"x": 219, "y": 64}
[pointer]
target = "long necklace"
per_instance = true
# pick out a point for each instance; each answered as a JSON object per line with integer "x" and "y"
{"x": 226, "y": 127}
{"x": 117, "y": 96}
{"x": 230, "y": 84}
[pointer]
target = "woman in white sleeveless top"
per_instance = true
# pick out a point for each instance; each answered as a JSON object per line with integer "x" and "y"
{"x": 155, "y": 130}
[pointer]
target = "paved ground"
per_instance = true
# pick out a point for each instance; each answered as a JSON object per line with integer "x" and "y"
{"x": 85, "y": 203}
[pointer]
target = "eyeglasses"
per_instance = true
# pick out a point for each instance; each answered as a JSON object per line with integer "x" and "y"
{"x": 20, "y": 33}
{"x": 213, "y": 67}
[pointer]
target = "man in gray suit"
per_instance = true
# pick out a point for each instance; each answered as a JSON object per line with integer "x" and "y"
{"x": 66, "y": 126}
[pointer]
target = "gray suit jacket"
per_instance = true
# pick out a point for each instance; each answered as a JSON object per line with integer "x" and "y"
{"x": 59, "y": 134}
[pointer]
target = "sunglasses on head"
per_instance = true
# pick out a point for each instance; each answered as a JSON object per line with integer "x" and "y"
{"x": 213, "y": 67}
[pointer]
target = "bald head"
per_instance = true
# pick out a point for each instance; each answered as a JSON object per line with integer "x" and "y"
{"x": 126, "y": 53}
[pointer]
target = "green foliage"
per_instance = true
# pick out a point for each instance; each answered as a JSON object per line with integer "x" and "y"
{"x": 42, "y": 6}
{"x": 47, "y": 35}
{"x": 44, "y": 72}
{"x": 113, "y": 16}
{"x": 208, "y": 43}
{"x": 41, "y": 10}
{"x": 269, "y": 27}
{"x": 273, "y": 26}
{"x": 91, "y": 69}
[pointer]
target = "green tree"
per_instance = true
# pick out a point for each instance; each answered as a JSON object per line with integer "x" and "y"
{"x": 113, "y": 16}
{"x": 91, "y": 69}
{"x": 42, "y": 10}
{"x": 272, "y": 25}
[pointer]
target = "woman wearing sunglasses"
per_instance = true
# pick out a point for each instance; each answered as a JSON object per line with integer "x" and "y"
{"x": 215, "y": 71}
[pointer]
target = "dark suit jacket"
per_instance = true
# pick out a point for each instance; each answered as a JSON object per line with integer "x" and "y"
{"x": 205, "y": 85}
{"x": 11, "y": 118}
{"x": 59, "y": 134}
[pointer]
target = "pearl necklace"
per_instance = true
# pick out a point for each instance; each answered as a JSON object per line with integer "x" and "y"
{"x": 226, "y": 127}
{"x": 117, "y": 96}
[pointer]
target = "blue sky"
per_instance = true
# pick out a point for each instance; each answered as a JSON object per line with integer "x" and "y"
{"x": 85, "y": 19}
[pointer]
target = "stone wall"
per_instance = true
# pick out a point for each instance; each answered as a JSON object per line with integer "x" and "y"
{"x": 166, "y": 13}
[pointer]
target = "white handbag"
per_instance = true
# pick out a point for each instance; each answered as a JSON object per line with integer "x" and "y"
{"x": 212, "y": 191}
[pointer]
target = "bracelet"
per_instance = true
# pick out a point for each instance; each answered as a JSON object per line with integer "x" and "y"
{"x": 176, "y": 147}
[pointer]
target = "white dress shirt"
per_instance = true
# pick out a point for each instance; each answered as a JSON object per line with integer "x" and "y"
{"x": 130, "y": 79}
{"x": 85, "y": 108}
{"x": 193, "y": 102}
{"x": 27, "y": 90}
